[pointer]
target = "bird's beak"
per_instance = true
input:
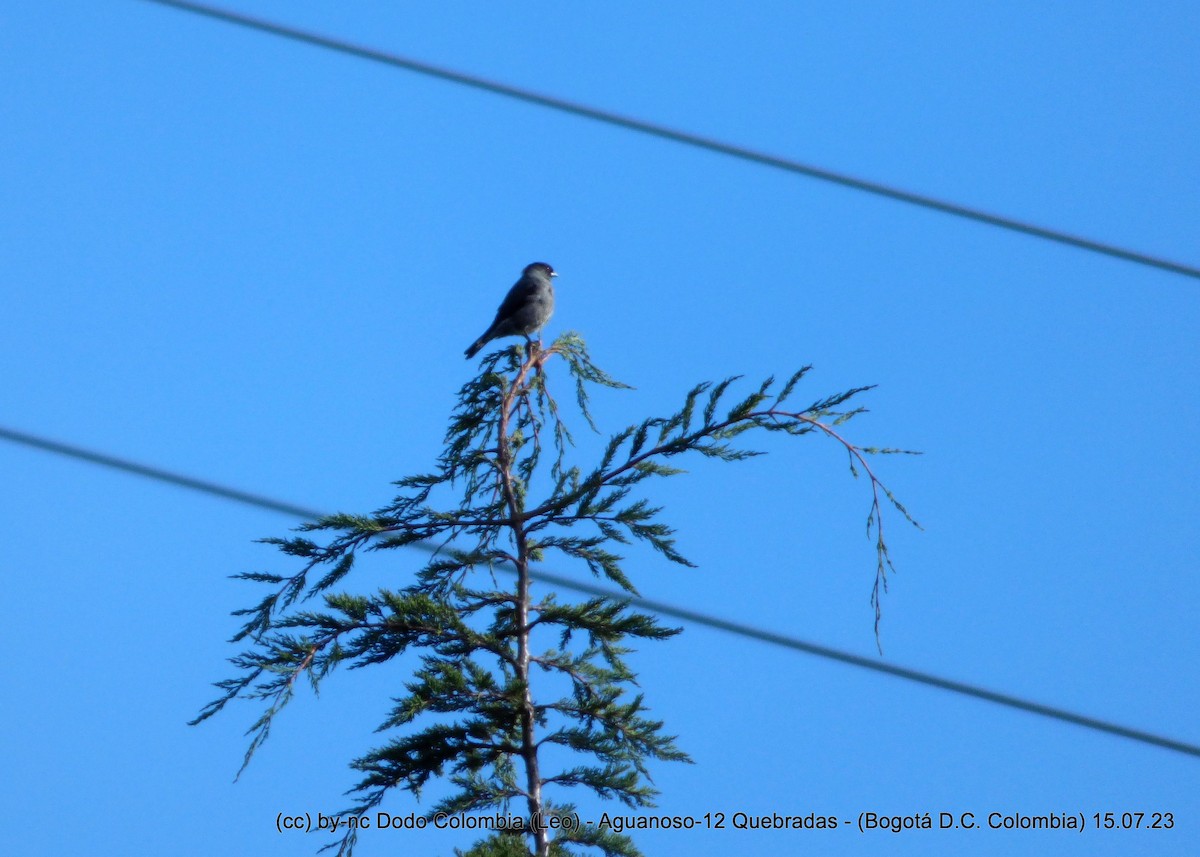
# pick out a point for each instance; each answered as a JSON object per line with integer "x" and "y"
{"x": 554, "y": 273}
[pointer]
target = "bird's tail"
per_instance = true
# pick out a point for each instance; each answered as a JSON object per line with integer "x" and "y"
{"x": 476, "y": 345}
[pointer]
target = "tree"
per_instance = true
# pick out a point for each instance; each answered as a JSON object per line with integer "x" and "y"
{"x": 485, "y": 724}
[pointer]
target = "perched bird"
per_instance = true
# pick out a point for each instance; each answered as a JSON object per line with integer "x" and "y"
{"x": 527, "y": 306}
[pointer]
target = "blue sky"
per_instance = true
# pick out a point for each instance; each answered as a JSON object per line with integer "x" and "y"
{"x": 257, "y": 262}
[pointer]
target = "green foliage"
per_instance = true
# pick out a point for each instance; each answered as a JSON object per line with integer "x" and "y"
{"x": 474, "y": 714}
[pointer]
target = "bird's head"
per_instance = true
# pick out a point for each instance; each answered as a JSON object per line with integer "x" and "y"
{"x": 540, "y": 268}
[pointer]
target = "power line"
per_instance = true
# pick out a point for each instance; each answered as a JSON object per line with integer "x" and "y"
{"x": 787, "y": 642}
{"x": 684, "y": 137}
{"x": 156, "y": 473}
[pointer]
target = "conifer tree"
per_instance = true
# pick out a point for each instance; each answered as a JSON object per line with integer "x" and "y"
{"x": 476, "y": 715}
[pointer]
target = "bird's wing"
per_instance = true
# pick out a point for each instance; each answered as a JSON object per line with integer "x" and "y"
{"x": 516, "y": 298}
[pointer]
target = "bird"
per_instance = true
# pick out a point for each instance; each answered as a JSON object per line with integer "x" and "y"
{"x": 525, "y": 309}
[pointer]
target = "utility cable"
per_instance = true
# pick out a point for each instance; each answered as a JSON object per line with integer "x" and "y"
{"x": 684, "y": 137}
{"x": 115, "y": 463}
{"x": 660, "y": 607}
